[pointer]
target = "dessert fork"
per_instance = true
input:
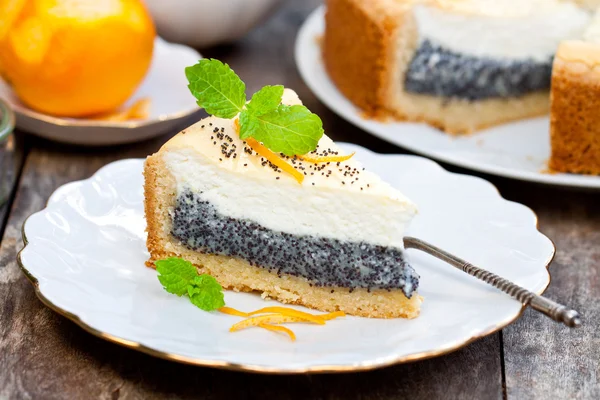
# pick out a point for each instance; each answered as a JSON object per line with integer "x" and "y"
{"x": 557, "y": 312}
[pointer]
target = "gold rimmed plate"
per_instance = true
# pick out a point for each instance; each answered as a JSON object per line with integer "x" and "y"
{"x": 164, "y": 85}
{"x": 89, "y": 243}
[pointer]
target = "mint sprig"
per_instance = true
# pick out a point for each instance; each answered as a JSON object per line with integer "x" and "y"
{"x": 180, "y": 277}
{"x": 291, "y": 130}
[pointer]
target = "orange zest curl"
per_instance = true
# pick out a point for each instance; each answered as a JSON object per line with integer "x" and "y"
{"x": 277, "y": 315}
{"x": 277, "y": 328}
{"x": 290, "y": 312}
{"x": 323, "y": 159}
{"x": 274, "y": 158}
{"x": 332, "y": 315}
{"x": 233, "y": 311}
{"x": 263, "y": 319}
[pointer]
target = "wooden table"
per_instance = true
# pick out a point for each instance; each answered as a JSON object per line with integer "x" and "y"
{"x": 46, "y": 356}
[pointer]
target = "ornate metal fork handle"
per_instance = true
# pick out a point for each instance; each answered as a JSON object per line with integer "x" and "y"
{"x": 557, "y": 312}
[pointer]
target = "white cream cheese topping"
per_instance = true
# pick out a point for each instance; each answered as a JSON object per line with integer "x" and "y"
{"x": 348, "y": 203}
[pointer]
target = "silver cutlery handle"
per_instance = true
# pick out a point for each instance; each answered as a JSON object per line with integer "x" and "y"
{"x": 557, "y": 312}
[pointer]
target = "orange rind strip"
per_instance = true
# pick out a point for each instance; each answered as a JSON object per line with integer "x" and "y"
{"x": 275, "y": 159}
{"x": 277, "y": 328}
{"x": 233, "y": 311}
{"x": 264, "y": 319}
{"x": 322, "y": 159}
{"x": 277, "y": 315}
{"x": 332, "y": 315}
{"x": 290, "y": 312}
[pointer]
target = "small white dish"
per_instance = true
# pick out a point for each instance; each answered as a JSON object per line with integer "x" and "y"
{"x": 518, "y": 150}
{"x": 85, "y": 255}
{"x": 165, "y": 84}
{"x": 203, "y": 23}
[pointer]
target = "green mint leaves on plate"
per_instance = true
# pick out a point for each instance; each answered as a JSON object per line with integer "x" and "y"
{"x": 206, "y": 293}
{"x": 180, "y": 277}
{"x": 291, "y": 130}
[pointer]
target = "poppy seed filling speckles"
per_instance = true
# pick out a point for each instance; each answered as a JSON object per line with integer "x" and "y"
{"x": 440, "y": 72}
{"x": 324, "y": 262}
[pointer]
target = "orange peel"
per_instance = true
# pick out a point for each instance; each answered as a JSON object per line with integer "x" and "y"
{"x": 290, "y": 312}
{"x": 277, "y": 328}
{"x": 274, "y": 158}
{"x": 277, "y": 315}
{"x": 332, "y": 315}
{"x": 233, "y": 311}
{"x": 264, "y": 319}
{"x": 322, "y": 159}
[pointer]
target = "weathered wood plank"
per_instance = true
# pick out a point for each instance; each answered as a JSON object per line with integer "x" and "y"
{"x": 542, "y": 358}
{"x": 11, "y": 162}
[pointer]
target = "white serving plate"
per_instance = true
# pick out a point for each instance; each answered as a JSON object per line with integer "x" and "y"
{"x": 518, "y": 150}
{"x": 165, "y": 84}
{"x": 85, "y": 255}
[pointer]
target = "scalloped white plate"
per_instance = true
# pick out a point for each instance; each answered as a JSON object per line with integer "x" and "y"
{"x": 517, "y": 150}
{"x": 85, "y": 254}
{"x": 165, "y": 84}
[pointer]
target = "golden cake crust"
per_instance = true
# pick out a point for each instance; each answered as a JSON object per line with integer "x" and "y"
{"x": 574, "y": 119}
{"x": 239, "y": 275}
{"x": 355, "y": 32}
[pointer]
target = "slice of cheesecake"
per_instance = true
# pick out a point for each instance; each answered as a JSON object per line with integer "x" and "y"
{"x": 333, "y": 242}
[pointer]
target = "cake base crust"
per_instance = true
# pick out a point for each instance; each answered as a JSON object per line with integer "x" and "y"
{"x": 239, "y": 275}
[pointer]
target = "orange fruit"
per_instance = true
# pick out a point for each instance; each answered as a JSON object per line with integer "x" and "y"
{"x": 75, "y": 57}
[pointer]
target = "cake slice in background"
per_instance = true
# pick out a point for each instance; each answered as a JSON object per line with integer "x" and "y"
{"x": 575, "y": 105}
{"x": 458, "y": 65}
{"x": 333, "y": 242}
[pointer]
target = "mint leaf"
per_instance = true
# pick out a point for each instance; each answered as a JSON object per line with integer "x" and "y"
{"x": 218, "y": 89}
{"x": 265, "y": 100}
{"x": 290, "y": 130}
{"x": 175, "y": 274}
{"x": 206, "y": 293}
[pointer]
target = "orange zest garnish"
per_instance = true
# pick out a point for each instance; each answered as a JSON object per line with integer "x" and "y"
{"x": 322, "y": 159}
{"x": 277, "y": 328}
{"x": 332, "y": 315}
{"x": 274, "y": 158}
{"x": 277, "y": 315}
{"x": 264, "y": 319}
{"x": 233, "y": 311}
{"x": 290, "y": 312}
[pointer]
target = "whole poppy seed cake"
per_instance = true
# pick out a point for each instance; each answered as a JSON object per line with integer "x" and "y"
{"x": 333, "y": 242}
{"x": 460, "y": 65}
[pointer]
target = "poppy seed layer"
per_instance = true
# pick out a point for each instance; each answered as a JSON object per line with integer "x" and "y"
{"x": 323, "y": 261}
{"x": 440, "y": 72}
